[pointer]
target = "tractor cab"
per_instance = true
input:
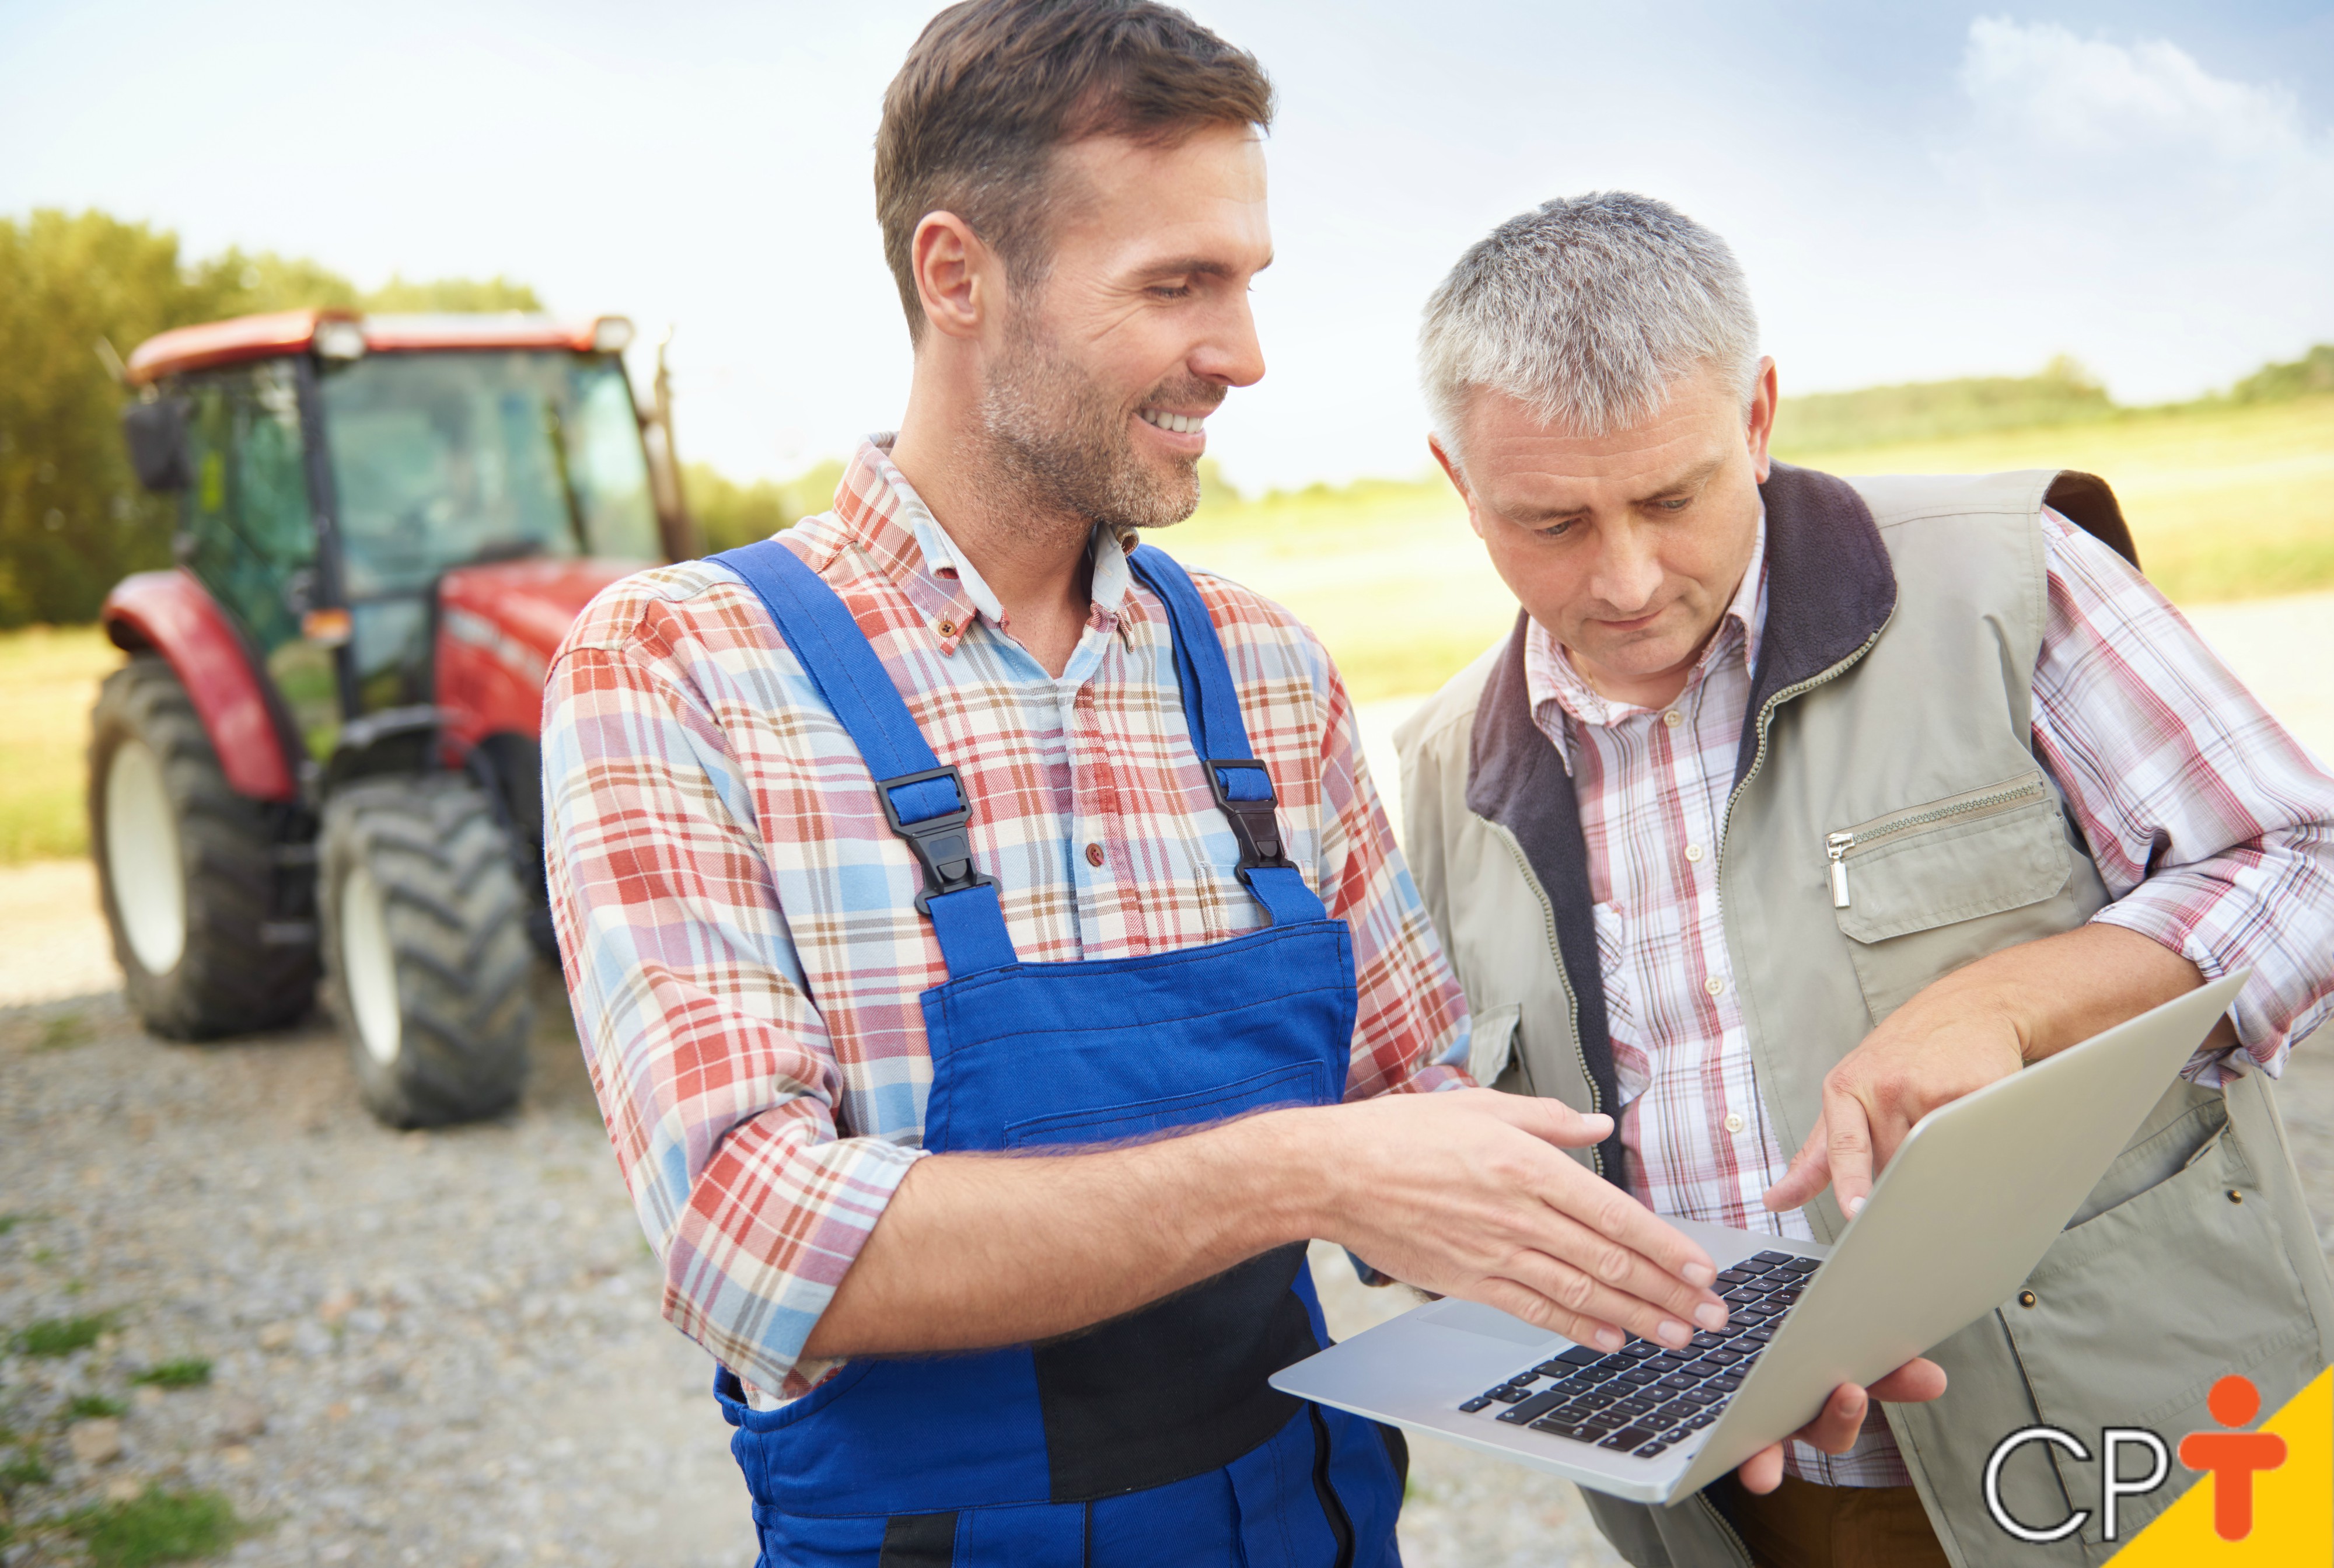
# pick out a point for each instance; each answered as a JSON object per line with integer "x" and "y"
{"x": 323, "y": 753}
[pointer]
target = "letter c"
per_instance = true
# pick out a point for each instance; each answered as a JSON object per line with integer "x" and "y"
{"x": 2001, "y": 1452}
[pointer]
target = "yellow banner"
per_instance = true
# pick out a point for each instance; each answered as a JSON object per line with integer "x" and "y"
{"x": 2292, "y": 1512}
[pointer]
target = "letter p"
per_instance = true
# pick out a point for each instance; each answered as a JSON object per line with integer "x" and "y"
{"x": 2112, "y": 1486}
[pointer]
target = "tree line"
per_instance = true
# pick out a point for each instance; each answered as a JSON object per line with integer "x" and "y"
{"x": 73, "y": 519}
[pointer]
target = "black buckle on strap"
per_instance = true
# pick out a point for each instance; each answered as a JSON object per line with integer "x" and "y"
{"x": 1255, "y": 823}
{"x": 942, "y": 844}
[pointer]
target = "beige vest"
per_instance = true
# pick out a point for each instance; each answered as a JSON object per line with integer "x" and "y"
{"x": 1910, "y": 729}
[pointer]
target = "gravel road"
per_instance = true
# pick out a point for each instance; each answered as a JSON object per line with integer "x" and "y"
{"x": 428, "y": 1348}
{"x": 444, "y": 1348}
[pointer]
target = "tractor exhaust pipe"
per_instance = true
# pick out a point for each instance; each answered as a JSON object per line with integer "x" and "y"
{"x": 674, "y": 524}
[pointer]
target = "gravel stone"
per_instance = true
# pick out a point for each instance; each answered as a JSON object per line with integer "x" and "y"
{"x": 96, "y": 1442}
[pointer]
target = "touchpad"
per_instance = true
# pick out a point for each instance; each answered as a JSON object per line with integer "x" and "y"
{"x": 1489, "y": 1321}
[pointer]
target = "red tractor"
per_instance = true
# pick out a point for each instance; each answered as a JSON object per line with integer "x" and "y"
{"x": 321, "y": 757}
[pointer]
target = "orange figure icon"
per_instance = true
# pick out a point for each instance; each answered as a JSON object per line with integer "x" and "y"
{"x": 2232, "y": 1457}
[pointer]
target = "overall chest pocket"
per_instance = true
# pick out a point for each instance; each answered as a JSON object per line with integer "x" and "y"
{"x": 1922, "y": 890}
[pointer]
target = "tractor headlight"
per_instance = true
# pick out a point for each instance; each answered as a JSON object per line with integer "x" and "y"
{"x": 340, "y": 340}
{"x": 612, "y": 334}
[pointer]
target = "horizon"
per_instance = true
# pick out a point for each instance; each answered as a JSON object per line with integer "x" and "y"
{"x": 1934, "y": 193}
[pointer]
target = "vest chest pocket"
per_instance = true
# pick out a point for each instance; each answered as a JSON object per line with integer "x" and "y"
{"x": 1920, "y": 892}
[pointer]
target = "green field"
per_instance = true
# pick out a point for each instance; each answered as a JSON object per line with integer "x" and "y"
{"x": 48, "y": 680}
{"x": 2226, "y": 502}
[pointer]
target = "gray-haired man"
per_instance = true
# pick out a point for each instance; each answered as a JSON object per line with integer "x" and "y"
{"x": 1793, "y": 807}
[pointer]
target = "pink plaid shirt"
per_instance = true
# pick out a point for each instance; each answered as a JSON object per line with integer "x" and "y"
{"x": 737, "y": 920}
{"x": 2165, "y": 760}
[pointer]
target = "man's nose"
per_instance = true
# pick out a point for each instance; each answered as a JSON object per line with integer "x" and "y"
{"x": 1627, "y": 576}
{"x": 1231, "y": 354}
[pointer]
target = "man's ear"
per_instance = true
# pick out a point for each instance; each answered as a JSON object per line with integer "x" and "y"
{"x": 1458, "y": 481}
{"x": 1759, "y": 426}
{"x": 958, "y": 278}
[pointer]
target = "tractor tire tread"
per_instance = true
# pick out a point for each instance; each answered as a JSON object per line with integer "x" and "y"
{"x": 465, "y": 968}
{"x": 227, "y": 982}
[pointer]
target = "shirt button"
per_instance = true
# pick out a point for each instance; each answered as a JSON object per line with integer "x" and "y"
{"x": 1674, "y": 718}
{"x": 1733, "y": 1121}
{"x": 1694, "y": 853}
{"x": 1714, "y": 985}
{"x": 1093, "y": 853}
{"x": 946, "y": 628}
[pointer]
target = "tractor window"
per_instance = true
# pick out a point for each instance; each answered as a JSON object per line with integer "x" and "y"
{"x": 249, "y": 535}
{"x": 446, "y": 457}
{"x": 443, "y": 459}
{"x": 607, "y": 466}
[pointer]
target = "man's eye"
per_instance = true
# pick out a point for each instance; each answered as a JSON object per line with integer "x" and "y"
{"x": 1171, "y": 290}
{"x": 1678, "y": 505}
{"x": 1557, "y": 530}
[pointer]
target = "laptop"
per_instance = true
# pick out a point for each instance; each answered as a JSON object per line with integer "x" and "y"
{"x": 1959, "y": 1218}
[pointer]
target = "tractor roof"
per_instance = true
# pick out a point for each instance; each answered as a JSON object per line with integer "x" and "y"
{"x": 250, "y": 337}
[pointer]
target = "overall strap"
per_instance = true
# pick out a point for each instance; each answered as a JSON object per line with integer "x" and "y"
{"x": 1211, "y": 708}
{"x": 925, "y": 803}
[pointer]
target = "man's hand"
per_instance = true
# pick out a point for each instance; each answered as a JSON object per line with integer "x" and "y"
{"x": 1931, "y": 1051}
{"x": 1967, "y": 1029}
{"x": 1834, "y": 1430}
{"x": 1465, "y": 1193}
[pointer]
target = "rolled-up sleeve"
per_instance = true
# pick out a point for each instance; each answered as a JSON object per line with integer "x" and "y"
{"x": 2211, "y": 826}
{"x": 713, "y": 1068}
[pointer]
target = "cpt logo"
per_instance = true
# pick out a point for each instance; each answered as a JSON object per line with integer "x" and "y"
{"x": 2228, "y": 1458}
{"x": 2232, "y": 1457}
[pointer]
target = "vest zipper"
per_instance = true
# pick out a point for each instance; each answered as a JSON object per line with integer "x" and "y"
{"x": 1766, "y": 715}
{"x": 1562, "y": 978}
{"x": 1837, "y": 846}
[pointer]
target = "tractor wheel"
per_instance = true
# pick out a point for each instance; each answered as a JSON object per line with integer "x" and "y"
{"x": 189, "y": 869}
{"x": 424, "y": 939}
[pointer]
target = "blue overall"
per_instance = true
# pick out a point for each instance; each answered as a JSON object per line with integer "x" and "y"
{"x": 1152, "y": 1438}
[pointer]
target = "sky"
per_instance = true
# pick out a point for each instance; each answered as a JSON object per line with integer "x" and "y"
{"x": 1916, "y": 190}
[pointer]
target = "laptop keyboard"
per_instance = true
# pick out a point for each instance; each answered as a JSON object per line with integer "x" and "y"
{"x": 1644, "y": 1398}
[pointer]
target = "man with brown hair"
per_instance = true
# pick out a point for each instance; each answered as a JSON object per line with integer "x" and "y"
{"x": 956, "y": 824}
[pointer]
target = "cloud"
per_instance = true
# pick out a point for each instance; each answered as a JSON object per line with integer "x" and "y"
{"x": 2041, "y": 82}
{"x": 2170, "y": 226}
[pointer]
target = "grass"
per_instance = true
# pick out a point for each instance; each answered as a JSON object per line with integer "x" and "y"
{"x": 10, "y": 1222}
{"x": 187, "y": 1372}
{"x": 157, "y": 1526}
{"x": 94, "y": 1408}
{"x": 48, "y": 680}
{"x": 63, "y": 1033}
{"x": 22, "y": 1469}
{"x": 2226, "y": 502}
{"x": 57, "y": 1337}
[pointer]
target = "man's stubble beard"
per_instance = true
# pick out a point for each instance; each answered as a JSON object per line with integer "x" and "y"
{"x": 1055, "y": 433}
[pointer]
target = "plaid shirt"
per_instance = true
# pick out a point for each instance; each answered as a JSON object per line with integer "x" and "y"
{"x": 2165, "y": 761}
{"x": 740, "y": 940}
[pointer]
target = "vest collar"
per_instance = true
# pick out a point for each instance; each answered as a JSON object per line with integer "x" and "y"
{"x": 1829, "y": 590}
{"x": 1829, "y": 587}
